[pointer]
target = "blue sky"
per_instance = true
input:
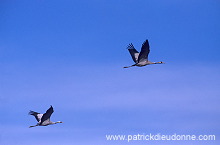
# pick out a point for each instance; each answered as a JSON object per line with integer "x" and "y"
{"x": 70, "y": 54}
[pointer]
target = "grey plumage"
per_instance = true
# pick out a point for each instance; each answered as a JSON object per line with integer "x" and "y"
{"x": 140, "y": 59}
{"x": 43, "y": 119}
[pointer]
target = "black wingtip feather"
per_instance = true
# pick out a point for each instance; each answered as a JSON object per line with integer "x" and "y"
{"x": 130, "y": 46}
{"x": 145, "y": 42}
{"x": 33, "y": 113}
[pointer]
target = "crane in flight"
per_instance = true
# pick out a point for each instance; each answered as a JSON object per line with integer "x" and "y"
{"x": 141, "y": 59}
{"x": 43, "y": 119}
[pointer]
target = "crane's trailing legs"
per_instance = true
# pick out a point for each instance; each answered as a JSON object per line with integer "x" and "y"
{"x": 33, "y": 126}
{"x": 130, "y": 66}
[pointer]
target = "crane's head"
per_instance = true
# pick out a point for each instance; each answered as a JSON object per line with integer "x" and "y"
{"x": 59, "y": 122}
{"x": 160, "y": 62}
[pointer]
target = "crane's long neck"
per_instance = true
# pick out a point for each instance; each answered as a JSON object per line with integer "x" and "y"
{"x": 57, "y": 122}
{"x": 160, "y": 62}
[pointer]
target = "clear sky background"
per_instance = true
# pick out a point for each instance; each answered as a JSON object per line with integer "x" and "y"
{"x": 70, "y": 54}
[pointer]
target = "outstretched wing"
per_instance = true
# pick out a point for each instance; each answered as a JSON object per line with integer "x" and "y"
{"x": 47, "y": 115}
{"x": 145, "y": 49}
{"x": 134, "y": 53}
{"x": 37, "y": 115}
